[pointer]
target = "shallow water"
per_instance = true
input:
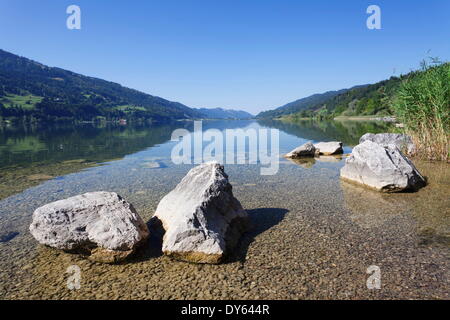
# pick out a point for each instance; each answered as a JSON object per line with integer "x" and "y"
{"x": 313, "y": 236}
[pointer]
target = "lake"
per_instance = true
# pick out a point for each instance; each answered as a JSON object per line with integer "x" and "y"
{"x": 313, "y": 236}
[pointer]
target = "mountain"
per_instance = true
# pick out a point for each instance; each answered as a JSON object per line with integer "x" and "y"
{"x": 300, "y": 104}
{"x": 372, "y": 99}
{"x": 219, "y": 113}
{"x": 368, "y": 99}
{"x": 33, "y": 90}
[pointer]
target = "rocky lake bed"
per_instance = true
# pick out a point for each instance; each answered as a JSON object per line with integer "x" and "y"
{"x": 312, "y": 235}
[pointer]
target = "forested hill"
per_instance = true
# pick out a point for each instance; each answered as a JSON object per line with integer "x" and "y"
{"x": 35, "y": 91}
{"x": 369, "y": 99}
{"x": 219, "y": 113}
{"x": 300, "y": 104}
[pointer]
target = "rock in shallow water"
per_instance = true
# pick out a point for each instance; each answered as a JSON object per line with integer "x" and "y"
{"x": 202, "y": 219}
{"x": 101, "y": 223}
{"x": 402, "y": 141}
{"x": 382, "y": 168}
{"x": 329, "y": 148}
{"x": 306, "y": 150}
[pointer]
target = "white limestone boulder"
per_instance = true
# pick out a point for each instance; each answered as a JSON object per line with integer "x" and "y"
{"x": 329, "y": 148}
{"x": 306, "y": 150}
{"x": 100, "y": 223}
{"x": 402, "y": 141}
{"x": 201, "y": 218}
{"x": 385, "y": 169}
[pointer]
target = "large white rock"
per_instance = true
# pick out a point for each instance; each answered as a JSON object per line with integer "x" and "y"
{"x": 101, "y": 223}
{"x": 201, "y": 217}
{"x": 306, "y": 150}
{"x": 402, "y": 141}
{"x": 329, "y": 148}
{"x": 382, "y": 168}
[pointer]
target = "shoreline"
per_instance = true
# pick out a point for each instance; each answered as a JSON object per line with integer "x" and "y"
{"x": 366, "y": 118}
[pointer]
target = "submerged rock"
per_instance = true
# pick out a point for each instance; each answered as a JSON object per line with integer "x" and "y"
{"x": 402, "y": 141}
{"x": 382, "y": 168}
{"x": 329, "y": 148}
{"x": 100, "y": 223}
{"x": 306, "y": 150}
{"x": 201, "y": 218}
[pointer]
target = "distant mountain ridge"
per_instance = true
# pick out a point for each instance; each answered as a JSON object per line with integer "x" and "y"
{"x": 219, "y": 113}
{"x": 31, "y": 89}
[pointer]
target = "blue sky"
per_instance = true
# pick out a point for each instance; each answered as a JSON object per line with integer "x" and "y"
{"x": 249, "y": 54}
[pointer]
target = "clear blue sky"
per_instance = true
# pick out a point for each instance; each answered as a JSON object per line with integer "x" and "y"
{"x": 248, "y": 54}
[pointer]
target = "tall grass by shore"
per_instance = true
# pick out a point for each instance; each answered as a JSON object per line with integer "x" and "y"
{"x": 422, "y": 104}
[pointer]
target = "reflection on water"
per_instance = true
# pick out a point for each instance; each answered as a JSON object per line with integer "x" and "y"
{"x": 31, "y": 155}
{"x": 308, "y": 162}
{"x": 321, "y": 233}
{"x": 50, "y": 144}
{"x": 348, "y": 132}
{"x": 56, "y": 143}
{"x": 304, "y": 162}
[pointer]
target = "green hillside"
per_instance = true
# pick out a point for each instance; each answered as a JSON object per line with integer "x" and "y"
{"x": 372, "y": 99}
{"x": 31, "y": 90}
{"x": 299, "y": 105}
